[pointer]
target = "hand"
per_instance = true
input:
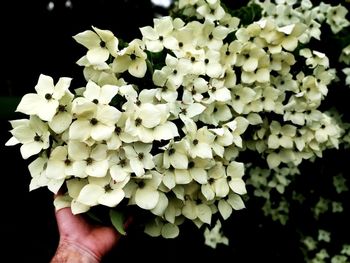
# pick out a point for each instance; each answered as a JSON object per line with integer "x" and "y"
{"x": 81, "y": 241}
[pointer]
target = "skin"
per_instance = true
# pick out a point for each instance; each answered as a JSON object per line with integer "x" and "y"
{"x": 80, "y": 241}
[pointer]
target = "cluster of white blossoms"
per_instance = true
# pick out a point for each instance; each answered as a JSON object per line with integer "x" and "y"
{"x": 171, "y": 144}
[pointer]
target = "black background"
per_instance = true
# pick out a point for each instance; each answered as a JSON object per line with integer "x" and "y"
{"x": 35, "y": 41}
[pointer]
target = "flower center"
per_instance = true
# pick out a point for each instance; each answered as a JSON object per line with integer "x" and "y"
{"x": 132, "y": 56}
{"x": 37, "y": 138}
{"x": 117, "y": 130}
{"x": 140, "y": 156}
{"x": 138, "y": 122}
{"x": 89, "y": 160}
{"x": 48, "y": 96}
{"x": 171, "y": 151}
{"x": 122, "y": 163}
{"x": 61, "y": 108}
{"x": 108, "y": 188}
{"x": 93, "y": 121}
{"x": 102, "y": 44}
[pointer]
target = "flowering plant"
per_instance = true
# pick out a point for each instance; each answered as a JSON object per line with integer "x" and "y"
{"x": 173, "y": 122}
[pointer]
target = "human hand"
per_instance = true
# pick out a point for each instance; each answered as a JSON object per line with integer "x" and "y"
{"x": 81, "y": 241}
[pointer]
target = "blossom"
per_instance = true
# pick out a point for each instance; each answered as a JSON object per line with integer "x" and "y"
{"x": 215, "y": 236}
{"x": 131, "y": 58}
{"x": 45, "y": 103}
{"x": 33, "y": 134}
{"x": 100, "y": 44}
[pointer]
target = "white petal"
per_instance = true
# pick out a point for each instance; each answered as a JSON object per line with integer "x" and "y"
{"x": 55, "y": 169}
{"x": 55, "y": 185}
{"x": 165, "y": 131}
{"x": 238, "y": 186}
{"x": 273, "y": 160}
{"x": 225, "y": 209}
{"x": 223, "y": 94}
{"x": 207, "y": 191}
{"x": 97, "y": 168}
{"x": 189, "y": 210}
{"x": 214, "y": 70}
{"x": 235, "y": 201}
{"x": 30, "y": 149}
{"x": 30, "y": 104}
{"x": 250, "y": 64}
{"x": 12, "y": 141}
{"x": 170, "y": 231}
{"x": 97, "y": 55}
{"x": 169, "y": 180}
{"x": 150, "y": 115}
{"x": 138, "y": 69}
{"x": 194, "y": 109}
{"x": 137, "y": 167}
{"x": 24, "y": 134}
{"x": 161, "y": 205}
{"x": 80, "y": 130}
{"x": 273, "y": 141}
{"x": 153, "y": 229}
{"x": 60, "y": 122}
{"x": 99, "y": 153}
{"x": 107, "y": 93}
{"x": 199, "y": 175}
{"x": 148, "y": 32}
{"x": 90, "y": 194}
{"x": 88, "y": 39}
{"x": 62, "y": 201}
{"x": 146, "y": 198}
{"x": 45, "y": 85}
{"x": 204, "y": 213}
{"x": 221, "y": 187}
{"x": 78, "y": 208}
{"x": 74, "y": 186}
{"x": 154, "y": 46}
{"x": 37, "y": 166}
{"x": 78, "y": 150}
{"x": 112, "y": 198}
{"x": 108, "y": 115}
{"x": 101, "y": 132}
{"x": 182, "y": 176}
{"x": 202, "y": 150}
{"x": 179, "y": 160}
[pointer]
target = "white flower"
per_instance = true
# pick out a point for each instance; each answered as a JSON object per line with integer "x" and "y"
{"x": 160, "y": 36}
{"x": 102, "y": 191}
{"x": 88, "y": 161}
{"x": 132, "y": 58}
{"x": 139, "y": 157}
{"x": 175, "y": 155}
{"x": 46, "y": 101}
{"x": 59, "y": 166}
{"x": 144, "y": 191}
{"x": 214, "y": 236}
{"x": 100, "y": 45}
{"x": 94, "y": 120}
{"x": 63, "y": 117}
{"x": 199, "y": 141}
{"x": 33, "y": 134}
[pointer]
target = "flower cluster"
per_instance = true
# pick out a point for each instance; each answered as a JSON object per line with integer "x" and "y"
{"x": 165, "y": 122}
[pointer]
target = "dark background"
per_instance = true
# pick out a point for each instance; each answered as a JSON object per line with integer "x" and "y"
{"x": 35, "y": 41}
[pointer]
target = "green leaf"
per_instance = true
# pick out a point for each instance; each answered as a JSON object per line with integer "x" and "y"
{"x": 117, "y": 219}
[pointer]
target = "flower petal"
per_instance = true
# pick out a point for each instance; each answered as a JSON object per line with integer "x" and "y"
{"x": 146, "y": 198}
